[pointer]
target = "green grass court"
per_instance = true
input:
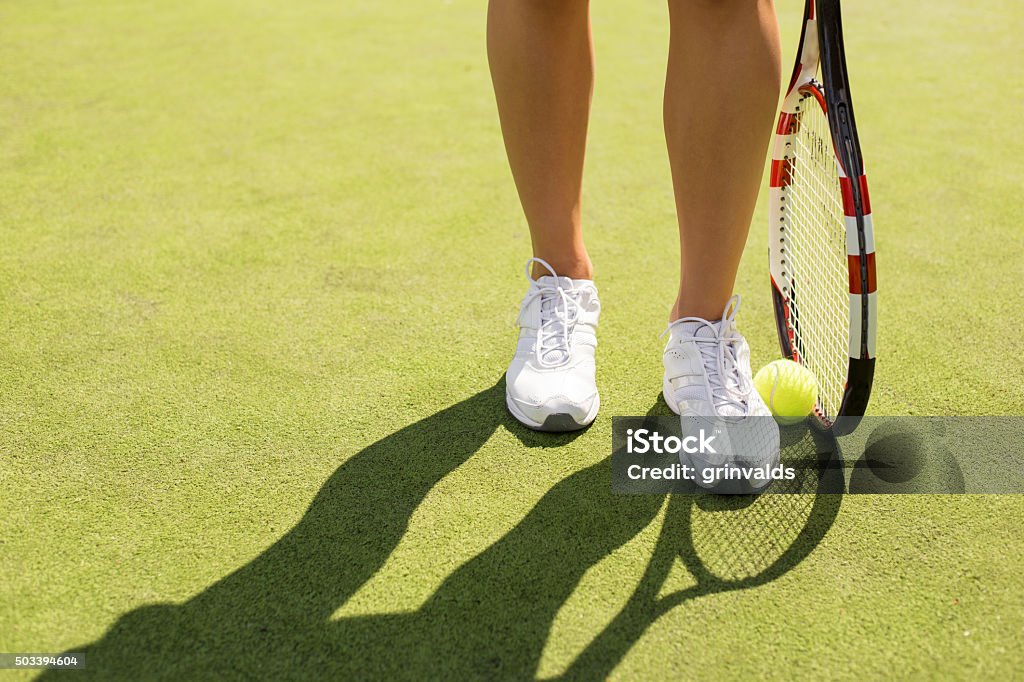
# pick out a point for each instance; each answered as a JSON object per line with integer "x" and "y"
{"x": 250, "y": 412}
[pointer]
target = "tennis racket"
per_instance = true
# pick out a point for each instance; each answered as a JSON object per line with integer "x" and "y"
{"x": 821, "y": 241}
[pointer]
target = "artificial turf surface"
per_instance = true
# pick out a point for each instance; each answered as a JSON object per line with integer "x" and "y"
{"x": 259, "y": 270}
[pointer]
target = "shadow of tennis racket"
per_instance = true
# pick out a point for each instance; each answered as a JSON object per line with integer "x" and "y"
{"x": 728, "y": 543}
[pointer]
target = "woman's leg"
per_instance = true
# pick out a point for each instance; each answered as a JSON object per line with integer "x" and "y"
{"x": 542, "y": 66}
{"x": 721, "y": 91}
{"x": 541, "y": 62}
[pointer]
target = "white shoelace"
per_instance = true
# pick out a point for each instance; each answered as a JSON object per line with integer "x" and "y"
{"x": 719, "y": 349}
{"x": 559, "y": 312}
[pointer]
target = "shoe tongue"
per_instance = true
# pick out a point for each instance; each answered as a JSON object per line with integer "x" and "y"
{"x": 549, "y": 302}
{"x": 700, "y": 330}
{"x": 548, "y": 307}
{"x": 551, "y": 281}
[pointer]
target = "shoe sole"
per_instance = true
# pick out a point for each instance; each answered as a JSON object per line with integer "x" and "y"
{"x": 559, "y": 422}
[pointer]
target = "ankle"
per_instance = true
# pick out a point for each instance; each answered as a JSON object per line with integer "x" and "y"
{"x": 575, "y": 267}
{"x": 679, "y": 310}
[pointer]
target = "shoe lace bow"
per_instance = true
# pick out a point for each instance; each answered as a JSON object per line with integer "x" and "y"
{"x": 719, "y": 351}
{"x": 560, "y": 310}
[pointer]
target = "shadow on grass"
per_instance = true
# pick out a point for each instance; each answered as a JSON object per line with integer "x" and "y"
{"x": 489, "y": 619}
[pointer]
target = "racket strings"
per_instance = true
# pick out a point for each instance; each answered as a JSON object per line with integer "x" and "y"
{"x": 814, "y": 250}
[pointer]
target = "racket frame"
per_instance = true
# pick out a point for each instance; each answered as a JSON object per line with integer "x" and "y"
{"x": 821, "y": 43}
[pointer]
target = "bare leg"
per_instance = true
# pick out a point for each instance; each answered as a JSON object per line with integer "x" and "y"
{"x": 721, "y": 91}
{"x": 542, "y": 66}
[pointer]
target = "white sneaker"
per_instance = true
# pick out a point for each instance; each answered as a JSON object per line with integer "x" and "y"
{"x": 708, "y": 384}
{"x": 550, "y": 382}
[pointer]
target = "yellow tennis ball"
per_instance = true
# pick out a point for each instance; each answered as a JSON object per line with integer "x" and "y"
{"x": 788, "y": 388}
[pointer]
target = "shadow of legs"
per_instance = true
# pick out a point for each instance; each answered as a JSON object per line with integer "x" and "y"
{"x": 271, "y": 618}
{"x": 490, "y": 618}
{"x": 350, "y": 528}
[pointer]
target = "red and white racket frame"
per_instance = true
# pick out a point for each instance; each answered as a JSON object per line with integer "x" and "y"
{"x": 821, "y": 43}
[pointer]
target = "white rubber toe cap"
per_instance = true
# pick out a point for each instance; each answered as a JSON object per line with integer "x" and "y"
{"x": 565, "y": 410}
